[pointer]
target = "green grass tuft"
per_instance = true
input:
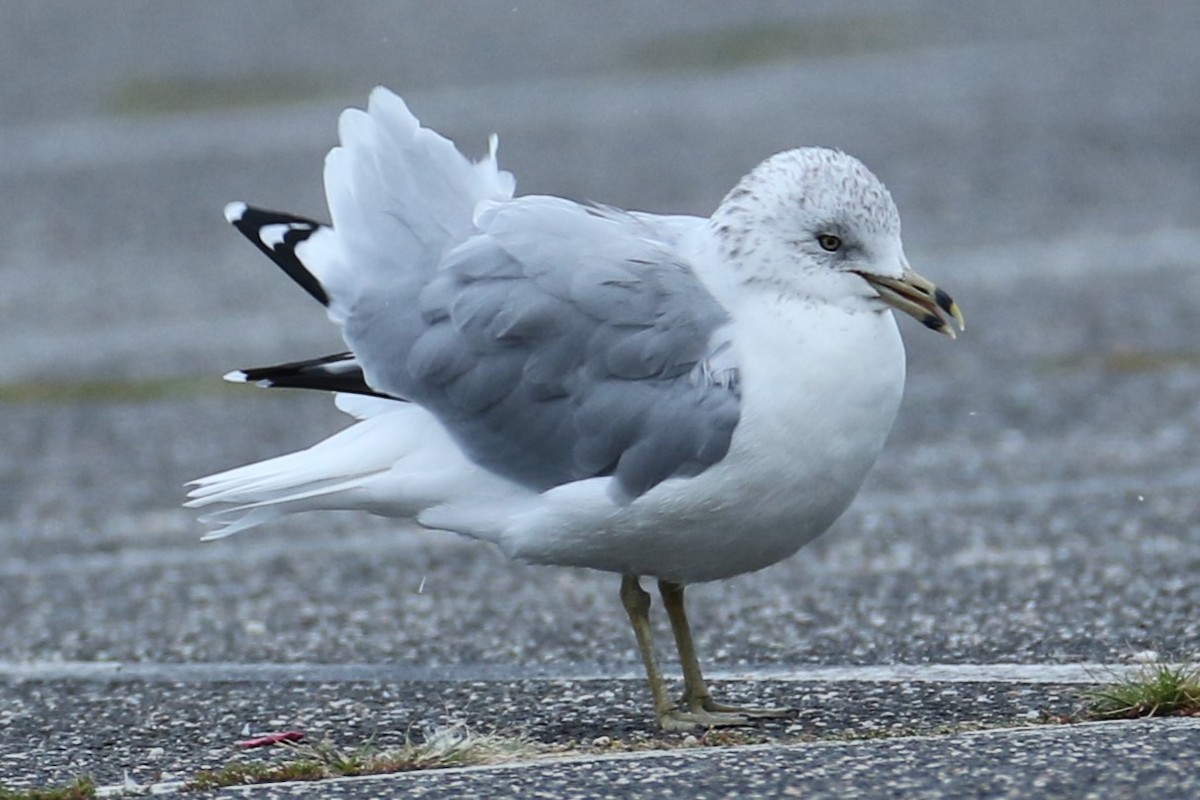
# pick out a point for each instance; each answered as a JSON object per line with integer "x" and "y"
{"x": 79, "y": 789}
{"x": 1157, "y": 690}
{"x": 257, "y": 772}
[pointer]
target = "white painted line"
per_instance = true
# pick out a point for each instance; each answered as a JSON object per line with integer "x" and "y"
{"x": 1076, "y": 731}
{"x": 201, "y": 673}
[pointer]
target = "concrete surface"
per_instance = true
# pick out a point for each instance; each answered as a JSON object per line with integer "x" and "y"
{"x": 1138, "y": 759}
{"x": 1035, "y": 506}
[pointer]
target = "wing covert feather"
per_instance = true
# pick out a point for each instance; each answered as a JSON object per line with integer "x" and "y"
{"x": 562, "y": 342}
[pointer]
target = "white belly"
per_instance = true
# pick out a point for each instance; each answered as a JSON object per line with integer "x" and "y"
{"x": 799, "y": 455}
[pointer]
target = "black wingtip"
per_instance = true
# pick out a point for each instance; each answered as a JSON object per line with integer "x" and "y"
{"x": 278, "y": 235}
{"x": 339, "y": 372}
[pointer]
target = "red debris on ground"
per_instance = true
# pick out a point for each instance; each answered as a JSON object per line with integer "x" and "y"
{"x": 272, "y": 738}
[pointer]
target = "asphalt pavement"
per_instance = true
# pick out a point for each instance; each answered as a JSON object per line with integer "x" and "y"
{"x": 1030, "y": 530}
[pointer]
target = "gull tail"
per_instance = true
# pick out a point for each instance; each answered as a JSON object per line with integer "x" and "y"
{"x": 396, "y": 461}
{"x": 353, "y": 469}
{"x": 326, "y": 475}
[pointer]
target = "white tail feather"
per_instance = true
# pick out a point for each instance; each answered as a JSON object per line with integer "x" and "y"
{"x": 308, "y": 479}
{"x": 398, "y": 461}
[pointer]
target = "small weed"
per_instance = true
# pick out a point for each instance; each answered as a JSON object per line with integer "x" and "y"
{"x": 1157, "y": 690}
{"x": 455, "y": 746}
{"x": 257, "y": 772}
{"x": 79, "y": 789}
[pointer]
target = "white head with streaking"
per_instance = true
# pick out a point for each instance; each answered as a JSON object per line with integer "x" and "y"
{"x": 682, "y": 398}
{"x": 815, "y": 223}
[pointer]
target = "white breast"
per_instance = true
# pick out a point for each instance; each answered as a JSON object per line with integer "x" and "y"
{"x": 820, "y": 392}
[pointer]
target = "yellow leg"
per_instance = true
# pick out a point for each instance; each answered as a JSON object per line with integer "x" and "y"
{"x": 637, "y": 606}
{"x": 696, "y": 697}
{"x": 670, "y": 718}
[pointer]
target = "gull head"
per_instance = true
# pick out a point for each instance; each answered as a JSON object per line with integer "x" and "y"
{"x": 817, "y": 225}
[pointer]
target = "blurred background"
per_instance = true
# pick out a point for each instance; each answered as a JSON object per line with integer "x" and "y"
{"x": 1066, "y": 131}
{"x": 1045, "y": 158}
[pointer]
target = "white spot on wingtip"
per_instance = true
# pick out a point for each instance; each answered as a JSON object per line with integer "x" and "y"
{"x": 234, "y": 211}
{"x": 274, "y": 235}
{"x": 237, "y": 376}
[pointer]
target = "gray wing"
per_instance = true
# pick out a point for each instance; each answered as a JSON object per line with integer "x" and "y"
{"x": 560, "y": 343}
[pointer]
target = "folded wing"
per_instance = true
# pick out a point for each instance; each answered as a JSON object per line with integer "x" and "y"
{"x": 561, "y": 342}
{"x": 554, "y": 341}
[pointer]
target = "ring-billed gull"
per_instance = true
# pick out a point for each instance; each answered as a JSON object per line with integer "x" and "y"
{"x": 671, "y": 397}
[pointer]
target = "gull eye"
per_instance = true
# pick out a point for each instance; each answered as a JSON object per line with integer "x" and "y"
{"x": 829, "y": 242}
